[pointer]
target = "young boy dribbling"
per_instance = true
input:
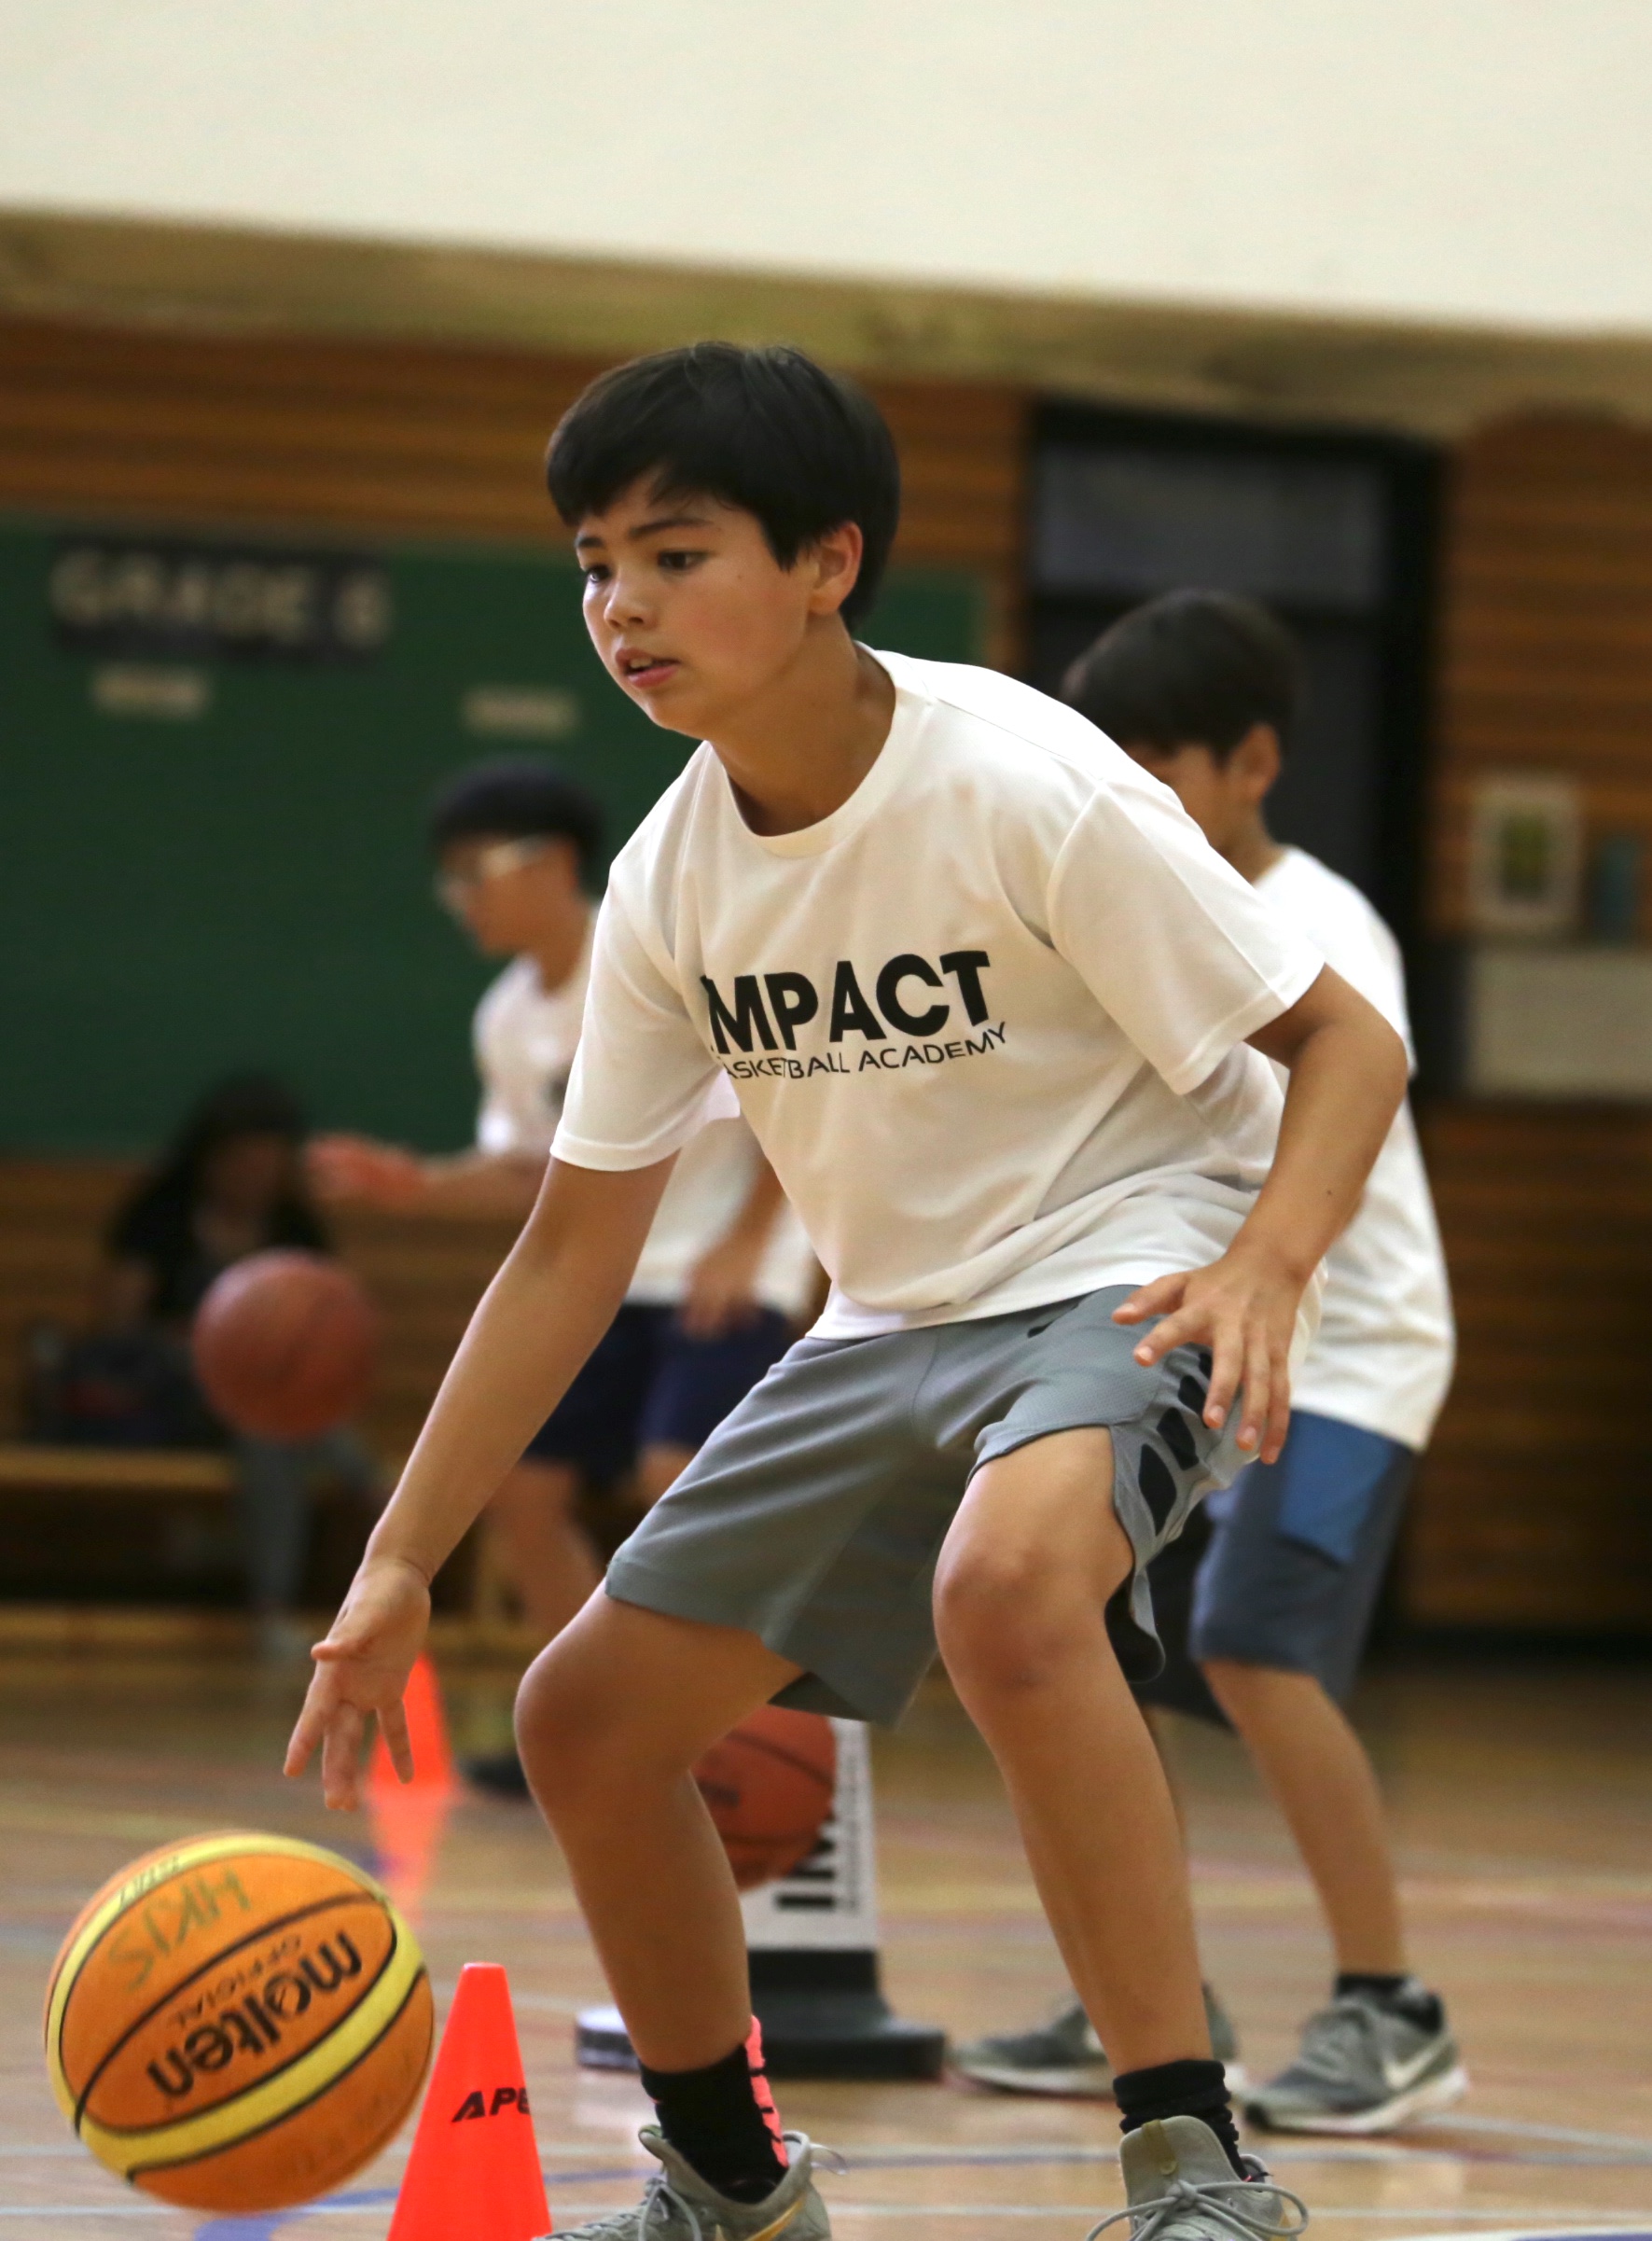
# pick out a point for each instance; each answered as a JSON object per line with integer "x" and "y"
{"x": 997, "y": 1015}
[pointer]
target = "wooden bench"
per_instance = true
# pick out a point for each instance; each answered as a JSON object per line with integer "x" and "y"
{"x": 424, "y": 1277}
{"x": 31, "y": 1466}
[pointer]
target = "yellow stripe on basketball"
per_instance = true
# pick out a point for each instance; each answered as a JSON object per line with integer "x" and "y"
{"x": 148, "y": 1875}
{"x": 263, "y": 2104}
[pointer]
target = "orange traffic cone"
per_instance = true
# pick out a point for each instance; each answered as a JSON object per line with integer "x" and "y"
{"x": 427, "y": 1731}
{"x": 407, "y": 1817}
{"x": 474, "y": 2166}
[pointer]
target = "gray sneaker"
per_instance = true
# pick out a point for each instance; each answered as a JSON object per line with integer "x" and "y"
{"x": 1180, "y": 2187}
{"x": 1065, "y": 2056}
{"x": 1364, "y": 2066}
{"x": 678, "y": 2205}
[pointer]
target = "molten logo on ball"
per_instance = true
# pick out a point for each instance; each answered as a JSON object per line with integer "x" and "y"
{"x": 254, "y": 2027}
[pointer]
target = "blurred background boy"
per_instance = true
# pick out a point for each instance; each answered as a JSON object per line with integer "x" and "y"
{"x": 726, "y": 1270}
{"x": 1201, "y": 689}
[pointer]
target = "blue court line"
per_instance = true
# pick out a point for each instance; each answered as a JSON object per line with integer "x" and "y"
{"x": 261, "y": 2228}
{"x": 1452, "y": 2121}
{"x": 941, "y": 2157}
{"x": 249, "y": 2229}
{"x": 379, "y": 2198}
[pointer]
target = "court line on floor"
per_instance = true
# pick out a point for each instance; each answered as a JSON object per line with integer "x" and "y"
{"x": 1635, "y": 2227}
{"x": 1631, "y": 2227}
{"x": 1564, "y": 2134}
{"x": 1631, "y": 2155}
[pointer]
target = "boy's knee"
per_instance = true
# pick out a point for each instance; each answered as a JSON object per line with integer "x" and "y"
{"x": 560, "y": 1739}
{"x": 585, "y": 1744}
{"x": 1008, "y": 1622}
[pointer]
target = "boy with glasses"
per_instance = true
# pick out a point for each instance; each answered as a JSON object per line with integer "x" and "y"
{"x": 725, "y": 1271}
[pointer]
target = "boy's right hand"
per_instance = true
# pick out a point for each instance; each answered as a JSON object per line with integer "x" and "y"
{"x": 361, "y": 1670}
{"x": 353, "y": 1167}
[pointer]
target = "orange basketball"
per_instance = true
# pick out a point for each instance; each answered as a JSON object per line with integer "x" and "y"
{"x": 237, "y": 2021}
{"x": 770, "y": 1785}
{"x": 285, "y": 1345}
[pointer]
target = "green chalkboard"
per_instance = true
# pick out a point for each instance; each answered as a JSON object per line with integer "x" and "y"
{"x": 213, "y": 861}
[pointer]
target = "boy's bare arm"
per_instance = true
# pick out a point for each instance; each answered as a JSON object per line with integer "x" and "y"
{"x": 557, "y": 1292}
{"x": 1347, "y": 1077}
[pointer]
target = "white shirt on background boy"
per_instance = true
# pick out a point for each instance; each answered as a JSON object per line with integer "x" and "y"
{"x": 524, "y": 1038}
{"x": 987, "y": 1019}
{"x": 1383, "y": 1354}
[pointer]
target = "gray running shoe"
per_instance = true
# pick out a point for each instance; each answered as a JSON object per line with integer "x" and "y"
{"x": 1065, "y": 2056}
{"x": 1364, "y": 2066}
{"x": 678, "y": 2205}
{"x": 1180, "y": 2187}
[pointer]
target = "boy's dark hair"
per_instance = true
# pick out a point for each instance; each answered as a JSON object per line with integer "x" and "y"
{"x": 1192, "y": 669}
{"x": 516, "y": 798}
{"x": 767, "y": 430}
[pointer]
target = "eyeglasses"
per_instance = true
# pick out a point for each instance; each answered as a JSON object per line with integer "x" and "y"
{"x": 453, "y": 889}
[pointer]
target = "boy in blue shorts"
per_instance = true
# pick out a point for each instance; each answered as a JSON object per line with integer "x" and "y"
{"x": 1202, "y": 689}
{"x": 1000, "y": 1019}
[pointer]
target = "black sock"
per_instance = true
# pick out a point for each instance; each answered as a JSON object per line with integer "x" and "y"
{"x": 1403, "y": 1994}
{"x": 717, "y": 2120}
{"x": 1179, "y": 2089}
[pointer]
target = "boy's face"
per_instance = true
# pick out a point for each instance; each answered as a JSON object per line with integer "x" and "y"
{"x": 691, "y": 612}
{"x": 507, "y": 893}
{"x": 1224, "y": 798}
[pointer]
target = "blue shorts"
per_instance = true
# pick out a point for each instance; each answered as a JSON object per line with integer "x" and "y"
{"x": 1287, "y": 1565}
{"x": 649, "y": 1384}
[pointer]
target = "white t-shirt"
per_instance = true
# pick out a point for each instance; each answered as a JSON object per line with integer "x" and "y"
{"x": 987, "y": 1019}
{"x": 1382, "y": 1358}
{"x": 524, "y": 1040}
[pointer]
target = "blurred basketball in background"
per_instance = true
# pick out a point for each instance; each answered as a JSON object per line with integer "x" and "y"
{"x": 770, "y": 1785}
{"x": 285, "y": 1345}
{"x": 237, "y": 2021}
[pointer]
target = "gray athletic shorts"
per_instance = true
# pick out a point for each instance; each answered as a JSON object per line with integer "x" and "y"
{"x": 813, "y": 1515}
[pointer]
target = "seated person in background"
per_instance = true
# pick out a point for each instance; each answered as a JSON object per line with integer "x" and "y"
{"x": 1202, "y": 690}
{"x": 726, "y": 1270}
{"x": 231, "y": 1183}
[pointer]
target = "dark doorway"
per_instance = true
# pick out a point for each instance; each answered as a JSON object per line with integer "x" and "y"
{"x": 1334, "y": 533}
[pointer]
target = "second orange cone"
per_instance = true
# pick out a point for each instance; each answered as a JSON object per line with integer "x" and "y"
{"x": 407, "y": 1817}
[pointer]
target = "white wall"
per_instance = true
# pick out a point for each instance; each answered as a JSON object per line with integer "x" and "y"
{"x": 1446, "y": 159}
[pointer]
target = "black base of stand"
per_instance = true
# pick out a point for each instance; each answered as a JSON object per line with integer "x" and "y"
{"x": 822, "y": 2016}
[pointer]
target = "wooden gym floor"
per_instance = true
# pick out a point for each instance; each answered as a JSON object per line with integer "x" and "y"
{"x": 1522, "y": 1804}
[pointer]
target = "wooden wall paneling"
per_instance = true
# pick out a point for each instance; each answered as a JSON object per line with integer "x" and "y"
{"x": 1546, "y": 635}
{"x": 1534, "y": 1508}
{"x": 1531, "y": 1508}
{"x": 410, "y": 439}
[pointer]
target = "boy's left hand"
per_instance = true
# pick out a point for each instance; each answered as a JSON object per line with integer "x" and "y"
{"x": 342, "y": 1167}
{"x": 1243, "y": 1308}
{"x": 722, "y": 1293}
